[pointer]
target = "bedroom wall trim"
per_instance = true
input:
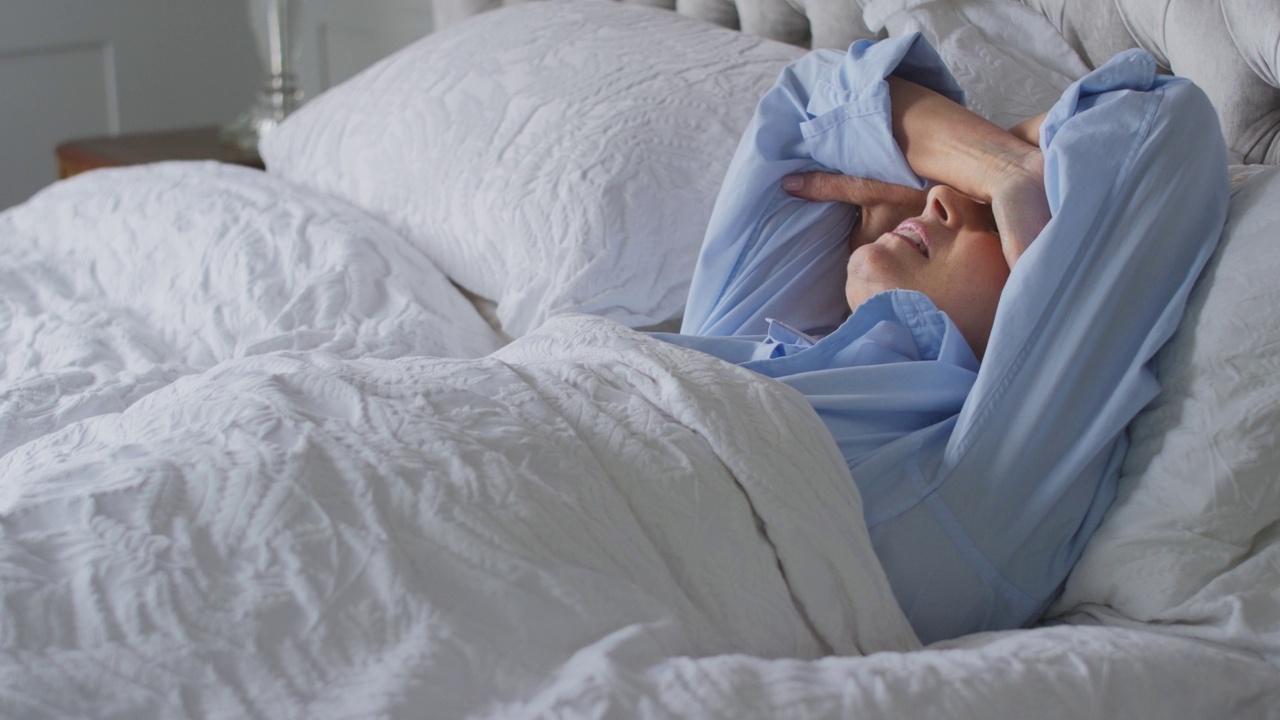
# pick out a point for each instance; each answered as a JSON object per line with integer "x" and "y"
{"x": 52, "y": 91}
{"x": 78, "y": 68}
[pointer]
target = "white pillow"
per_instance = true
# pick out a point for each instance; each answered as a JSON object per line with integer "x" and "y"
{"x": 1009, "y": 59}
{"x": 1192, "y": 543}
{"x": 553, "y": 156}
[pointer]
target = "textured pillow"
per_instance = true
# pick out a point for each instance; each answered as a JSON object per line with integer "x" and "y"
{"x": 1010, "y": 61}
{"x": 1227, "y": 47}
{"x": 1192, "y": 544}
{"x": 553, "y": 157}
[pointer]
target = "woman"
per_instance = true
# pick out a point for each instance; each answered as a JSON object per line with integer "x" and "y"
{"x": 974, "y": 319}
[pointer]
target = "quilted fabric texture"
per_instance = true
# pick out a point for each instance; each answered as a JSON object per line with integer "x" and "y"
{"x": 553, "y": 157}
{"x": 1228, "y": 47}
{"x": 235, "y": 263}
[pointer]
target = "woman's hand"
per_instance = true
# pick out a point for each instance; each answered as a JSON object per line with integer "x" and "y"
{"x": 1028, "y": 131}
{"x": 951, "y": 145}
{"x": 1019, "y": 203}
{"x": 1017, "y": 200}
{"x": 883, "y": 205}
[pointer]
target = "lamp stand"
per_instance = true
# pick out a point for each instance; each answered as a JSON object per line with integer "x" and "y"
{"x": 280, "y": 95}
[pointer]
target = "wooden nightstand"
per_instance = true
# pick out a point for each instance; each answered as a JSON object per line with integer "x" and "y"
{"x": 77, "y": 156}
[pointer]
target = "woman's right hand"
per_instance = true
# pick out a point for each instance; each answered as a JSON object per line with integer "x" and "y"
{"x": 883, "y": 205}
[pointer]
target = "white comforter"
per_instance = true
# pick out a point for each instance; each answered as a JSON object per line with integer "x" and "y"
{"x": 215, "y": 486}
{"x": 233, "y": 484}
{"x": 295, "y": 533}
{"x": 116, "y": 283}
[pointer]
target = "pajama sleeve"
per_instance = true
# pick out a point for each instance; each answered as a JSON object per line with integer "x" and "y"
{"x": 978, "y": 517}
{"x": 769, "y": 255}
{"x": 1135, "y": 168}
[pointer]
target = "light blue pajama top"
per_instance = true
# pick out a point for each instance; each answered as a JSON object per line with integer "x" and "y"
{"x": 980, "y": 485}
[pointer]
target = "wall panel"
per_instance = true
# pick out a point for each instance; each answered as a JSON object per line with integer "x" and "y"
{"x": 51, "y": 94}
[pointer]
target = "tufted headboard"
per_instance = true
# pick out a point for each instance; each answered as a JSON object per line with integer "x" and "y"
{"x": 1231, "y": 48}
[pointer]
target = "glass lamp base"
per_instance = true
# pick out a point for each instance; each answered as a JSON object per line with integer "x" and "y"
{"x": 275, "y": 102}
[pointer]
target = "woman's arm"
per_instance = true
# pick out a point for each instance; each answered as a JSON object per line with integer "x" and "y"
{"x": 769, "y": 254}
{"x": 950, "y": 144}
{"x": 945, "y": 142}
{"x": 1136, "y": 172}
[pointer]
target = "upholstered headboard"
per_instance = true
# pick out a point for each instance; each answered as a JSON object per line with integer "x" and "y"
{"x": 1231, "y": 48}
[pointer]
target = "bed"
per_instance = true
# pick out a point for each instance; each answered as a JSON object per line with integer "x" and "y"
{"x": 376, "y": 433}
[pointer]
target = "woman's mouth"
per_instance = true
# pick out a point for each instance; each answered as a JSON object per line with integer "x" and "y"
{"x": 914, "y": 232}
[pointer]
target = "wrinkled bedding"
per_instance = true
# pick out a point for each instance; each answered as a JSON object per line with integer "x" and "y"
{"x": 235, "y": 263}
{"x": 295, "y": 534}
{"x": 238, "y": 479}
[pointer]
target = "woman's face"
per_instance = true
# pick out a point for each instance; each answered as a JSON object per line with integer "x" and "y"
{"x": 951, "y": 252}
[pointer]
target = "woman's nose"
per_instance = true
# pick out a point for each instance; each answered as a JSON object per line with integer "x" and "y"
{"x": 947, "y": 205}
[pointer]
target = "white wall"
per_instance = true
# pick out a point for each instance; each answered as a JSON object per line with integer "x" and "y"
{"x": 342, "y": 37}
{"x": 84, "y": 68}
{"x": 76, "y": 68}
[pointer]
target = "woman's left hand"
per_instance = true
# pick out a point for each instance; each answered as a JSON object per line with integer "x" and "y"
{"x": 1019, "y": 204}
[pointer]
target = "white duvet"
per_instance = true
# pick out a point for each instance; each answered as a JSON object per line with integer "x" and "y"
{"x": 117, "y": 283}
{"x": 234, "y": 482}
{"x": 295, "y": 534}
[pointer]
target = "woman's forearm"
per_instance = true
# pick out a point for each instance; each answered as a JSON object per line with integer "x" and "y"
{"x": 947, "y": 143}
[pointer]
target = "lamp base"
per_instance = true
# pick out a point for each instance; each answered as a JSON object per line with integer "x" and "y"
{"x": 276, "y": 101}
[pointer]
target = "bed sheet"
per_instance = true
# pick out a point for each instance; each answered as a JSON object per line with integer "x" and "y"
{"x": 118, "y": 282}
{"x": 1060, "y": 673}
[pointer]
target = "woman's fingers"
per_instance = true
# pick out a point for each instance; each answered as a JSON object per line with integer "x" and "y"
{"x": 832, "y": 187}
{"x": 1021, "y": 211}
{"x": 883, "y": 204}
{"x": 1028, "y": 131}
